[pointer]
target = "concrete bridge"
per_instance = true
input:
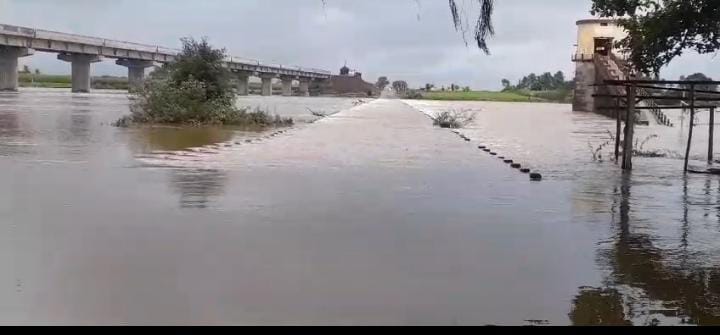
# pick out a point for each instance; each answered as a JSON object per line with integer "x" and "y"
{"x": 81, "y": 51}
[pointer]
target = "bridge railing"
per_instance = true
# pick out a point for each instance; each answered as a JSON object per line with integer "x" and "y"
{"x": 17, "y": 31}
{"x": 82, "y": 39}
{"x": 254, "y": 62}
{"x": 107, "y": 43}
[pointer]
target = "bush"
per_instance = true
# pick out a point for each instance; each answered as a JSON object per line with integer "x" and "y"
{"x": 413, "y": 94}
{"x": 194, "y": 90}
{"x": 454, "y": 119}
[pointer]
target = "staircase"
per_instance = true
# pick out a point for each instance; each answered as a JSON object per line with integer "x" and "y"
{"x": 607, "y": 69}
{"x": 620, "y": 68}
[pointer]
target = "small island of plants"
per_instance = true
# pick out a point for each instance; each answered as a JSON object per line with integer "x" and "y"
{"x": 194, "y": 90}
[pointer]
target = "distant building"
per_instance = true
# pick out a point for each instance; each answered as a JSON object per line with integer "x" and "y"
{"x": 345, "y": 71}
{"x": 349, "y": 83}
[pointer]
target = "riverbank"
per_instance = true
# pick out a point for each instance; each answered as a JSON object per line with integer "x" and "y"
{"x": 65, "y": 81}
{"x": 505, "y": 96}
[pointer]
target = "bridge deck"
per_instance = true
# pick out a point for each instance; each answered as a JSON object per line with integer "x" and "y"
{"x": 51, "y": 41}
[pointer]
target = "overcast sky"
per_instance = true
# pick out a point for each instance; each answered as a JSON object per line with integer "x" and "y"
{"x": 412, "y": 40}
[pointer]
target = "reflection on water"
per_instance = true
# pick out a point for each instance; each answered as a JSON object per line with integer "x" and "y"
{"x": 198, "y": 187}
{"x": 151, "y": 139}
{"x": 12, "y": 136}
{"x": 677, "y": 285}
{"x": 661, "y": 257}
{"x": 598, "y": 307}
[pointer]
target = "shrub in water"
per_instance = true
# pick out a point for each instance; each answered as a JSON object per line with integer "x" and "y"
{"x": 195, "y": 89}
{"x": 454, "y": 119}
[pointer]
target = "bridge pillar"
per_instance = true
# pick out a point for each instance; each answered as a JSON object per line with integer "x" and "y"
{"x": 136, "y": 71}
{"x": 287, "y": 86}
{"x": 80, "y": 70}
{"x": 267, "y": 84}
{"x": 304, "y": 87}
{"x": 243, "y": 87}
{"x": 9, "y": 66}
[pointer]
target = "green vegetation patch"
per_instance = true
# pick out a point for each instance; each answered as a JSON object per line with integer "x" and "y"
{"x": 196, "y": 89}
{"x": 480, "y": 96}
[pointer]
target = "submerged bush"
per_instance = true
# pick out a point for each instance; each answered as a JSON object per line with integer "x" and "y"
{"x": 454, "y": 119}
{"x": 195, "y": 89}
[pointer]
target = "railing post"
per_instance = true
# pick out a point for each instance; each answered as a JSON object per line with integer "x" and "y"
{"x": 692, "y": 125}
{"x": 711, "y": 135}
{"x": 629, "y": 128}
{"x": 618, "y": 129}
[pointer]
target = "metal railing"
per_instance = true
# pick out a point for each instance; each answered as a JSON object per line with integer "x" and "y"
{"x": 582, "y": 57}
{"x": 624, "y": 66}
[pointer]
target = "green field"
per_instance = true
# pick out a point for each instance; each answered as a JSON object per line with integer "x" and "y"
{"x": 64, "y": 81}
{"x": 515, "y": 96}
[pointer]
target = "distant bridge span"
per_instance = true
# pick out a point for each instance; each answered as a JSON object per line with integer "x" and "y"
{"x": 81, "y": 51}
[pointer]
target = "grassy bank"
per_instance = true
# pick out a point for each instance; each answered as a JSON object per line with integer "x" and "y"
{"x": 65, "y": 81}
{"x": 508, "y": 96}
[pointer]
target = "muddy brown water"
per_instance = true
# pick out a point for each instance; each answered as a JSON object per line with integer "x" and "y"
{"x": 370, "y": 216}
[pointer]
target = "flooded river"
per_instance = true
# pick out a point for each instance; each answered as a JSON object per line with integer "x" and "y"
{"x": 368, "y": 216}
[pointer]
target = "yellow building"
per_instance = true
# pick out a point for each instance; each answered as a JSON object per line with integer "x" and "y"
{"x": 595, "y": 37}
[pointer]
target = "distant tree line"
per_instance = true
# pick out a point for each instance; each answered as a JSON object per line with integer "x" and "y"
{"x": 679, "y": 95}
{"x": 544, "y": 82}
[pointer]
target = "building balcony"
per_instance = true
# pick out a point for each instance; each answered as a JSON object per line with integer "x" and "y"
{"x": 583, "y": 57}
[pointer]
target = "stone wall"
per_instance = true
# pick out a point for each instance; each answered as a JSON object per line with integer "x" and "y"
{"x": 584, "y": 89}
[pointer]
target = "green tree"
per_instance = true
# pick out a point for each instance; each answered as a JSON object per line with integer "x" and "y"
{"x": 506, "y": 84}
{"x": 194, "y": 89}
{"x": 559, "y": 80}
{"x": 382, "y": 83}
{"x": 661, "y": 30}
{"x": 201, "y": 62}
{"x": 400, "y": 86}
{"x": 37, "y": 71}
{"x": 700, "y": 77}
{"x": 546, "y": 81}
{"x": 429, "y": 87}
{"x": 532, "y": 82}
